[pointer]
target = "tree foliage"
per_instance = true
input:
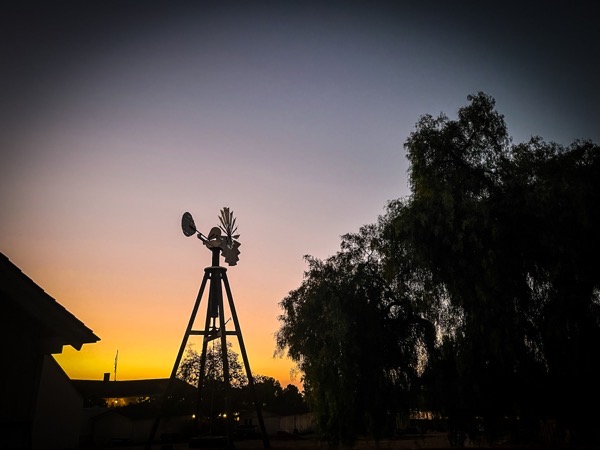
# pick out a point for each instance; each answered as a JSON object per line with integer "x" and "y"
{"x": 288, "y": 400}
{"x": 280, "y": 400}
{"x": 479, "y": 293}
{"x": 510, "y": 232}
{"x": 355, "y": 340}
{"x": 189, "y": 368}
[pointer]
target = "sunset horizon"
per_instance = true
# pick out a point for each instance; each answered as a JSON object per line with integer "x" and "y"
{"x": 119, "y": 117}
{"x": 87, "y": 363}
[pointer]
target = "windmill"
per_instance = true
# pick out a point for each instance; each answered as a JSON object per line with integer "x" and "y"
{"x": 221, "y": 240}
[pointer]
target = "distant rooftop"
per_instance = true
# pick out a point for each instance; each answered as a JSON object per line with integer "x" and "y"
{"x": 131, "y": 388}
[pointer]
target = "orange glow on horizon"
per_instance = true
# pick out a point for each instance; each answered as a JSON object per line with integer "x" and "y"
{"x": 146, "y": 323}
{"x": 140, "y": 305}
{"x": 91, "y": 364}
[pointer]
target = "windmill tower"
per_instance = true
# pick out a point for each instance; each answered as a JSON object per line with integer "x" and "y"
{"x": 221, "y": 241}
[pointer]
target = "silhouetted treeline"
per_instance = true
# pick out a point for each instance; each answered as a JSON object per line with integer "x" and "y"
{"x": 475, "y": 298}
{"x": 273, "y": 397}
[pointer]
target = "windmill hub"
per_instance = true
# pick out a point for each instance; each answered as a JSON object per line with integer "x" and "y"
{"x": 222, "y": 237}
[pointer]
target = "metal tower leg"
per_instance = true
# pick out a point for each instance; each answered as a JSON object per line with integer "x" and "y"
{"x": 169, "y": 387}
{"x": 238, "y": 332}
{"x": 215, "y": 309}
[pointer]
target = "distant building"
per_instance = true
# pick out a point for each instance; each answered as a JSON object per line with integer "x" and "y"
{"x": 40, "y": 408}
{"x": 123, "y": 393}
{"x": 122, "y": 412}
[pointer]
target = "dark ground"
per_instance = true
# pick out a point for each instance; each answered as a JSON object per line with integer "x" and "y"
{"x": 431, "y": 440}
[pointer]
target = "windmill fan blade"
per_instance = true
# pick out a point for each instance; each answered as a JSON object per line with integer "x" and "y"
{"x": 187, "y": 224}
{"x": 227, "y": 222}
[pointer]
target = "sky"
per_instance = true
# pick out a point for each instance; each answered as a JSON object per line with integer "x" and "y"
{"x": 118, "y": 117}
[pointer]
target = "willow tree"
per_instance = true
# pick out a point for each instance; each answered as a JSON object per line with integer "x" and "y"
{"x": 509, "y": 234}
{"x": 480, "y": 290}
{"x": 355, "y": 339}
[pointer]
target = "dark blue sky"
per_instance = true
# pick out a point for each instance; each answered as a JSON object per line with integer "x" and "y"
{"x": 541, "y": 58}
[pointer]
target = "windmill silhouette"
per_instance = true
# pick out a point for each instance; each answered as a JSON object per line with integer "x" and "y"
{"x": 221, "y": 240}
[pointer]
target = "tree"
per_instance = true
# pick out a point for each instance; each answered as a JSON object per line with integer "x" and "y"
{"x": 189, "y": 368}
{"x": 217, "y": 398}
{"x": 508, "y": 235}
{"x": 291, "y": 401}
{"x": 354, "y": 338}
{"x": 482, "y": 286}
{"x": 273, "y": 397}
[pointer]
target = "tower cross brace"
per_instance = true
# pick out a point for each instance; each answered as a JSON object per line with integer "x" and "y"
{"x": 217, "y": 277}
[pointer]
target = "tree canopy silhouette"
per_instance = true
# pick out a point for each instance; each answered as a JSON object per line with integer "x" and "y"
{"x": 356, "y": 340}
{"x": 477, "y": 294}
{"x": 510, "y": 233}
{"x": 189, "y": 367}
{"x": 273, "y": 397}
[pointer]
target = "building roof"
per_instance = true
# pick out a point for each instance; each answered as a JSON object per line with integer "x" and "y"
{"x": 56, "y": 326}
{"x": 131, "y": 388}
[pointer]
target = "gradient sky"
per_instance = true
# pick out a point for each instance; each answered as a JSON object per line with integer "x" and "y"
{"x": 117, "y": 119}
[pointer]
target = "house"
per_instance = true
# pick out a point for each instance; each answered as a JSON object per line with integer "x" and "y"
{"x": 122, "y": 393}
{"x": 123, "y": 411}
{"x": 40, "y": 407}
